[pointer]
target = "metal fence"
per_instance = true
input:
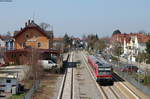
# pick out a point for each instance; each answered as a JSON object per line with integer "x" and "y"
{"x": 32, "y": 90}
{"x": 134, "y": 82}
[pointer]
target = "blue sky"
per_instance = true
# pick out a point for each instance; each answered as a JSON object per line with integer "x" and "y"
{"x": 78, "y": 17}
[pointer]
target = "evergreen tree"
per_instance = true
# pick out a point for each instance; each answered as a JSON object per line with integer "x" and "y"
{"x": 116, "y": 32}
{"x": 148, "y": 51}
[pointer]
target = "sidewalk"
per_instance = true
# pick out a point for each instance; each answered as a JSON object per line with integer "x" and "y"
{"x": 141, "y": 65}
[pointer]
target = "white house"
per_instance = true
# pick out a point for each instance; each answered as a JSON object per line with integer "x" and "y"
{"x": 133, "y": 45}
{"x": 2, "y": 43}
{"x": 2, "y": 49}
{"x": 7, "y": 82}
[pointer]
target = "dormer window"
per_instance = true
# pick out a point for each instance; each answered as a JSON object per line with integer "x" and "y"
{"x": 26, "y": 35}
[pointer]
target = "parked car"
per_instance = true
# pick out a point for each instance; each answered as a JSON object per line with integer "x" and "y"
{"x": 140, "y": 71}
{"x": 129, "y": 68}
{"x": 1, "y": 64}
{"x": 48, "y": 64}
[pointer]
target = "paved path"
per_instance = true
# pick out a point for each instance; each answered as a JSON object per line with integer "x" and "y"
{"x": 86, "y": 88}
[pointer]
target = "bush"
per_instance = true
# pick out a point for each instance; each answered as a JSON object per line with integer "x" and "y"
{"x": 114, "y": 58}
{"x": 146, "y": 79}
{"x": 148, "y": 61}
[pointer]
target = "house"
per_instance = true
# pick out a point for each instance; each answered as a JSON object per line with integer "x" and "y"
{"x": 27, "y": 40}
{"x": 2, "y": 50}
{"x": 58, "y": 43}
{"x": 9, "y": 42}
{"x": 32, "y": 36}
{"x": 132, "y": 44}
{"x": 2, "y": 43}
{"x": 130, "y": 48}
{"x": 31, "y": 43}
{"x": 7, "y": 82}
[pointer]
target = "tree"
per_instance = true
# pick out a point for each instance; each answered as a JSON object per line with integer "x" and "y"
{"x": 67, "y": 40}
{"x": 44, "y": 26}
{"x": 8, "y": 34}
{"x": 92, "y": 39}
{"x": 148, "y": 51}
{"x": 102, "y": 44}
{"x": 141, "y": 57}
{"x": 35, "y": 71}
{"x": 117, "y": 48}
{"x": 148, "y": 47}
{"x": 116, "y": 32}
{"x": 142, "y": 31}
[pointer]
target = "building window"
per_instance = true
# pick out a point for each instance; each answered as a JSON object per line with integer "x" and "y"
{"x": 23, "y": 45}
{"x": 8, "y": 81}
{"x": 39, "y": 44}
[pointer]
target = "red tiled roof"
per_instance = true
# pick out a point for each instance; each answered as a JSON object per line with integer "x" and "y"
{"x": 76, "y": 38}
{"x": 58, "y": 39}
{"x": 121, "y": 37}
{"x": 33, "y": 25}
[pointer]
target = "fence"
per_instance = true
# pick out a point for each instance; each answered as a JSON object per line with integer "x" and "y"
{"x": 32, "y": 90}
{"x": 134, "y": 82}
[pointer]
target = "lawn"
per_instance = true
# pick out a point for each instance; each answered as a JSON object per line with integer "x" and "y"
{"x": 19, "y": 96}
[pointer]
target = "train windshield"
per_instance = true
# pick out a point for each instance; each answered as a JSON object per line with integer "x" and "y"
{"x": 99, "y": 64}
{"x": 104, "y": 71}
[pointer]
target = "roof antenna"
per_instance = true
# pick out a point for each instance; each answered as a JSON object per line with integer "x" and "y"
{"x": 33, "y": 15}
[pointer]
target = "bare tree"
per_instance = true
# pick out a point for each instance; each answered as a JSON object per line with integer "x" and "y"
{"x": 35, "y": 70}
{"x": 44, "y": 25}
{"x": 117, "y": 48}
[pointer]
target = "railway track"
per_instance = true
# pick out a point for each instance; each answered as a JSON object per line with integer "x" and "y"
{"x": 115, "y": 91}
{"x": 127, "y": 92}
{"x": 109, "y": 92}
{"x": 67, "y": 86}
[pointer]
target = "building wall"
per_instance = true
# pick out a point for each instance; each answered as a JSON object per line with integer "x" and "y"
{"x": 7, "y": 86}
{"x": 2, "y": 43}
{"x": 31, "y": 38}
{"x": 58, "y": 45}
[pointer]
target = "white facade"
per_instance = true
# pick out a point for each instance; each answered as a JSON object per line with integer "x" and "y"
{"x": 131, "y": 48}
{"x": 2, "y": 43}
{"x": 7, "y": 82}
{"x": 2, "y": 49}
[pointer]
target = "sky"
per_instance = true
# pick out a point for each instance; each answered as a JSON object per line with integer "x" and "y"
{"x": 77, "y": 17}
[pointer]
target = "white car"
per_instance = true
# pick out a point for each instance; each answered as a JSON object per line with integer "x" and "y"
{"x": 47, "y": 64}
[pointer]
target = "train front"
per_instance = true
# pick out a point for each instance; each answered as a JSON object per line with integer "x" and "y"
{"x": 105, "y": 73}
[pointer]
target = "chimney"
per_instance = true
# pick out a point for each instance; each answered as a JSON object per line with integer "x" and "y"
{"x": 21, "y": 28}
{"x": 26, "y": 24}
{"x": 32, "y": 21}
{"x": 28, "y": 21}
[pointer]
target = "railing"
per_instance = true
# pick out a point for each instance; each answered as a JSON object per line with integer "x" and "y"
{"x": 32, "y": 90}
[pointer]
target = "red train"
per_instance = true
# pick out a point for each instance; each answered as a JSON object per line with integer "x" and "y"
{"x": 101, "y": 70}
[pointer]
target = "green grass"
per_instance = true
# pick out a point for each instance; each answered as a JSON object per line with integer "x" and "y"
{"x": 114, "y": 58}
{"x": 18, "y": 96}
{"x": 145, "y": 79}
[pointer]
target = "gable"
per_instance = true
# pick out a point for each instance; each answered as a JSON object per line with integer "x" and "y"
{"x": 31, "y": 29}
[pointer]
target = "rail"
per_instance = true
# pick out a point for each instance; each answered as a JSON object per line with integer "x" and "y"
{"x": 126, "y": 87}
{"x": 104, "y": 89}
{"x": 67, "y": 82}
